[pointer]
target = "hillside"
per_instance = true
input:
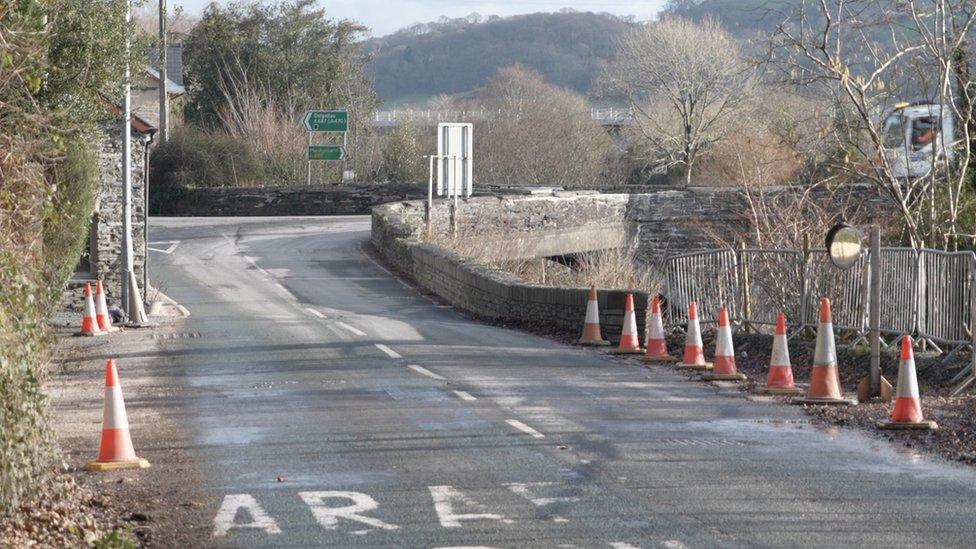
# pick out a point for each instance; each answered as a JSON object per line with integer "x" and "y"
{"x": 744, "y": 19}
{"x": 454, "y": 56}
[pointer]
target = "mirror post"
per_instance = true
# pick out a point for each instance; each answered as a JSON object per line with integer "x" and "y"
{"x": 874, "y": 313}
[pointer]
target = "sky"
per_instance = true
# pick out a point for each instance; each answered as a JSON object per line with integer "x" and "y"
{"x": 386, "y": 16}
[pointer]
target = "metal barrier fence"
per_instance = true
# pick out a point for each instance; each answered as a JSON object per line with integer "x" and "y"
{"x": 944, "y": 312}
{"x": 708, "y": 278}
{"x": 928, "y": 293}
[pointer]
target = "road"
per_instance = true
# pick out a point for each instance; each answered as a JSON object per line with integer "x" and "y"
{"x": 335, "y": 405}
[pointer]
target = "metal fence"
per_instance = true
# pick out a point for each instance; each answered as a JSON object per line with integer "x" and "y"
{"x": 927, "y": 293}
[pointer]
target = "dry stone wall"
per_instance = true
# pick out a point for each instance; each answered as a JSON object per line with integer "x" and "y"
{"x": 489, "y": 293}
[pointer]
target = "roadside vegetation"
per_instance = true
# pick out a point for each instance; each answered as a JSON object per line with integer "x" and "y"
{"x": 49, "y": 113}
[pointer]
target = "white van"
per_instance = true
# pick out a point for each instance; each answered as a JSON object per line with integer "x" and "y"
{"x": 915, "y": 135}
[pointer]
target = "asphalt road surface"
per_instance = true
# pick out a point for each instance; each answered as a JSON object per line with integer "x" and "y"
{"x": 394, "y": 421}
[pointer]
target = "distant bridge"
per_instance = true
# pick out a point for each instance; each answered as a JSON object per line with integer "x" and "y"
{"x": 610, "y": 117}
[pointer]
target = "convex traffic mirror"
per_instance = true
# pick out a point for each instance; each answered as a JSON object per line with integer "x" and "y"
{"x": 843, "y": 245}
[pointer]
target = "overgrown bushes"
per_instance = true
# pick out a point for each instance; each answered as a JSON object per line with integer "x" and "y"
{"x": 47, "y": 181}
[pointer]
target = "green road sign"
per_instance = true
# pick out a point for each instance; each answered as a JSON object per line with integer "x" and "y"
{"x": 326, "y": 121}
{"x": 326, "y": 152}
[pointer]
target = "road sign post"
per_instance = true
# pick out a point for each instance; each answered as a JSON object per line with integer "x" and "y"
{"x": 319, "y": 121}
{"x": 326, "y": 121}
{"x": 326, "y": 152}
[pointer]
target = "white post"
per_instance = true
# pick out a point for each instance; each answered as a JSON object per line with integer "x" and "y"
{"x": 456, "y": 184}
{"x": 430, "y": 195}
{"x": 127, "y": 263}
{"x": 308, "y": 173}
{"x": 163, "y": 76}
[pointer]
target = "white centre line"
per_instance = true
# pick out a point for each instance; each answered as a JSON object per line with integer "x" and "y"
{"x": 389, "y": 352}
{"x": 349, "y": 328}
{"x": 314, "y": 312}
{"x": 464, "y": 395}
{"x": 425, "y": 372}
{"x": 524, "y": 428}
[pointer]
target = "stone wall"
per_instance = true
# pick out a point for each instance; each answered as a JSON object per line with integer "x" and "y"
{"x": 396, "y": 230}
{"x": 345, "y": 199}
{"x": 109, "y": 209}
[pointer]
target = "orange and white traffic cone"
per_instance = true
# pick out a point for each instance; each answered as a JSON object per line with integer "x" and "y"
{"x": 907, "y": 413}
{"x": 724, "y": 369}
{"x": 101, "y": 310}
{"x": 89, "y": 324}
{"x": 779, "y": 380}
{"x": 115, "y": 450}
{"x": 824, "y": 377}
{"x": 629, "y": 340}
{"x": 591, "y": 324}
{"x": 694, "y": 355}
{"x": 657, "y": 345}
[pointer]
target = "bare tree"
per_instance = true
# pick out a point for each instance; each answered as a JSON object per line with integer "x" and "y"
{"x": 869, "y": 54}
{"x": 536, "y": 133}
{"x": 683, "y": 80}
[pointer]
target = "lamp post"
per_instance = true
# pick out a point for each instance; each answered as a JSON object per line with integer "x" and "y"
{"x": 127, "y": 253}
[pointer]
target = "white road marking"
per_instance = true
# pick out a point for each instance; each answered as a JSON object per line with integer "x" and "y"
{"x": 349, "y": 328}
{"x": 524, "y": 428}
{"x": 524, "y": 489}
{"x": 328, "y": 517}
{"x": 464, "y": 395}
{"x": 395, "y": 277}
{"x": 622, "y": 545}
{"x": 224, "y": 520}
{"x": 444, "y": 499}
{"x": 674, "y": 544}
{"x": 172, "y": 246}
{"x": 389, "y": 352}
{"x": 277, "y": 284}
{"x": 314, "y": 312}
{"x": 285, "y": 291}
{"x": 374, "y": 262}
{"x": 425, "y": 372}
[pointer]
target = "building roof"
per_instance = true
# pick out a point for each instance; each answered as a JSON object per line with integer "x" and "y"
{"x": 174, "y": 62}
{"x": 139, "y": 124}
{"x": 171, "y": 87}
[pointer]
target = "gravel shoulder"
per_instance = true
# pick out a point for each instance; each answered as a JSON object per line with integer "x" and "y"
{"x": 165, "y": 505}
{"x": 955, "y": 440}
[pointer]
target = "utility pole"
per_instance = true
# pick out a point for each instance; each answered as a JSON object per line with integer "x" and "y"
{"x": 127, "y": 260}
{"x": 163, "y": 76}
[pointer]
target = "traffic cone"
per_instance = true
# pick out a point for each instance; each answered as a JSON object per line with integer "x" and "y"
{"x": 724, "y": 369}
{"x": 629, "y": 340}
{"x": 694, "y": 356}
{"x": 101, "y": 310}
{"x": 591, "y": 324}
{"x": 907, "y": 413}
{"x": 89, "y": 324}
{"x": 779, "y": 380}
{"x": 657, "y": 345}
{"x": 824, "y": 378}
{"x": 115, "y": 450}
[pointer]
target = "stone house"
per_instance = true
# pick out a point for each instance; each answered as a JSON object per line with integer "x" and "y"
{"x": 103, "y": 255}
{"x": 145, "y": 87}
